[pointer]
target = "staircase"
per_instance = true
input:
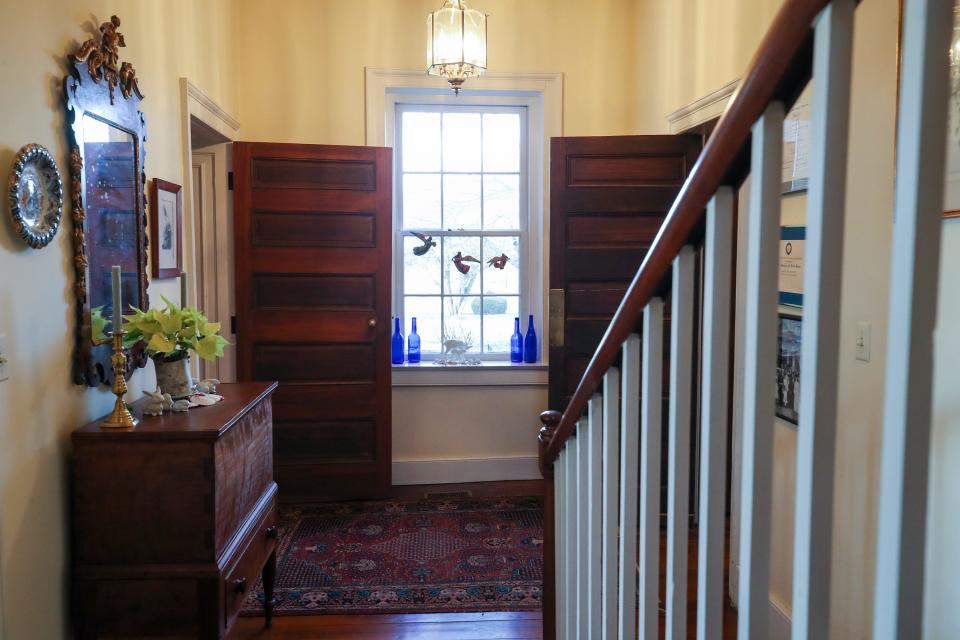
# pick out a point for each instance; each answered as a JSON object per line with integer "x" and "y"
{"x": 601, "y": 456}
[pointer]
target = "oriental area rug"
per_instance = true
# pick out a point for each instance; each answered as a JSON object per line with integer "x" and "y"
{"x": 429, "y": 556}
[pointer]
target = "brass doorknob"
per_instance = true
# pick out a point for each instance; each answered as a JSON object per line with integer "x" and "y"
{"x": 372, "y": 322}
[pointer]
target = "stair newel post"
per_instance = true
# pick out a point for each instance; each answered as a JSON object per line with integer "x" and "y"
{"x": 550, "y": 421}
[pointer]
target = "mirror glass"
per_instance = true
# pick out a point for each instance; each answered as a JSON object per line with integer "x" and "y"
{"x": 110, "y": 199}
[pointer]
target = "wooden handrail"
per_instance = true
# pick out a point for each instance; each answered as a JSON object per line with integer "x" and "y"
{"x": 779, "y": 71}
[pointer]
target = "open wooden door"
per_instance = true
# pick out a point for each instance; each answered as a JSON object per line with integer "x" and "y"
{"x": 608, "y": 198}
{"x": 313, "y": 261}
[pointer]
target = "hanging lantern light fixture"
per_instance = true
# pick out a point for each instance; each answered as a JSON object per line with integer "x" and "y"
{"x": 456, "y": 43}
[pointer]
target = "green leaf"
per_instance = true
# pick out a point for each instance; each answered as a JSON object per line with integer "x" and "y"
{"x": 210, "y": 347}
{"x": 160, "y": 344}
{"x": 97, "y": 324}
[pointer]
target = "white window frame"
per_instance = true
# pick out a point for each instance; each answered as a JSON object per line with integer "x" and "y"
{"x": 543, "y": 94}
{"x": 528, "y": 251}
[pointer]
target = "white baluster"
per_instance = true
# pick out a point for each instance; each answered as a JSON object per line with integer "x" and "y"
{"x": 560, "y": 540}
{"x": 763, "y": 228}
{"x": 651, "y": 401}
{"x": 823, "y": 256}
{"x": 718, "y": 252}
{"x": 611, "y": 485}
{"x": 922, "y": 129}
{"x": 570, "y": 572}
{"x": 594, "y": 512}
{"x": 583, "y": 535}
{"x": 629, "y": 455}
{"x": 681, "y": 355}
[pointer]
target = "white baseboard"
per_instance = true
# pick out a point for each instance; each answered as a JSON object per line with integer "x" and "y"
{"x": 466, "y": 470}
{"x": 780, "y": 624}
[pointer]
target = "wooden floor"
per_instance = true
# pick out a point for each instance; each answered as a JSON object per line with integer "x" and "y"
{"x": 448, "y": 626}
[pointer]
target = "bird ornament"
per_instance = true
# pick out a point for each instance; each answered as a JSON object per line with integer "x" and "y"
{"x": 460, "y": 259}
{"x": 498, "y": 262}
{"x": 428, "y": 243}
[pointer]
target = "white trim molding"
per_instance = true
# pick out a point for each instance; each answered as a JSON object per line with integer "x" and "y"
{"x": 703, "y": 109}
{"x": 407, "y": 472}
{"x": 542, "y": 93}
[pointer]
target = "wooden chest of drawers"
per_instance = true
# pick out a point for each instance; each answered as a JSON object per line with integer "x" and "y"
{"x": 174, "y": 520}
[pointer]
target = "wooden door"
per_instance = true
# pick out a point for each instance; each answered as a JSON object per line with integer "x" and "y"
{"x": 608, "y": 198}
{"x": 313, "y": 260}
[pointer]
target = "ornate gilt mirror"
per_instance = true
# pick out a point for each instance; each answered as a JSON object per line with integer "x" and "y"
{"x": 106, "y": 132}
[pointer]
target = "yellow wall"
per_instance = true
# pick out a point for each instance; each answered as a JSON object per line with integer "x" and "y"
{"x": 688, "y": 48}
{"x": 306, "y": 78}
{"x": 39, "y": 406}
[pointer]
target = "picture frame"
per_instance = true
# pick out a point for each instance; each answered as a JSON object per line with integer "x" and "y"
{"x": 789, "y": 341}
{"x": 166, "y": 229}
{"x": 790, "y": 280}
{"x": 795, "y": 172}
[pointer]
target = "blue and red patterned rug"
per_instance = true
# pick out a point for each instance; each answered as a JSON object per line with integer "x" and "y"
{"x": 447, "y": 555}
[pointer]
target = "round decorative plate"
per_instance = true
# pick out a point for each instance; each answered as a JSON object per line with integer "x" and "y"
{"x": 36, "y": 195}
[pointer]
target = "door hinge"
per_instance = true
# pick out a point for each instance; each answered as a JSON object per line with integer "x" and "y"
{"x": 230, "y": 181}
{"x": 557, "y": 311}
{"x": 233, "y": 325}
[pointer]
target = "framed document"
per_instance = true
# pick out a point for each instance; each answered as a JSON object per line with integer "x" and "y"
{"x": 789, "y": 335}
{"x": 792, "y": 241}
{"x": 796, "y": 145}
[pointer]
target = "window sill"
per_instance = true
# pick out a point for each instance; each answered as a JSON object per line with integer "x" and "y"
{"x": 487, "y": 374}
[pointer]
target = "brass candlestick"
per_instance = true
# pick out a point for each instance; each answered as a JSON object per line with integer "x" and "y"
{"x": 120, "y": 418}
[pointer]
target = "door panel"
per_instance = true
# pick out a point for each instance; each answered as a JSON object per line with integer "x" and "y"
{"x": 313, "y": 261}
{"x": 608, "y": 198}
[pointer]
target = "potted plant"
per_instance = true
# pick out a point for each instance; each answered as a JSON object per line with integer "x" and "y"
{"x": 170, "y": 335}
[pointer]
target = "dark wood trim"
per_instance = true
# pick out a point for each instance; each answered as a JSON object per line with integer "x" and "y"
{"x": 779, "y": 71}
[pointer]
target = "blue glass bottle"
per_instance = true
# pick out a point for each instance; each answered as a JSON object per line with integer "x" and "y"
{"x": 516, "y": 342}
{"x": 396, "y": 347}
{"x": 413, "y": 344}
{"x": 530, "y": 343}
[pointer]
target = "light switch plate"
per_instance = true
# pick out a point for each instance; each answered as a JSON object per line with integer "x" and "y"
{"x": 863, "y": 341}
{"x": 4, "y": 358}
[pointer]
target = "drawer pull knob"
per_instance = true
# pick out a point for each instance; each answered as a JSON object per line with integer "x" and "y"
{"x": 240, "y": 585}
{"x": 271, "y": 533}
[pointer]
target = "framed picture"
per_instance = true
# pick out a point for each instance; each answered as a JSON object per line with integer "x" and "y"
{"x": 792, "y": 243}
{"x": 166, "y": 230}
{"x": 789, "y": 335}
{"x": 796, "y": 145}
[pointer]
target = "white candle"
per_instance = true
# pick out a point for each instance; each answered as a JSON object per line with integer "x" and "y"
{"x": 183, "y": 290}
{"x": 117, "y": 322}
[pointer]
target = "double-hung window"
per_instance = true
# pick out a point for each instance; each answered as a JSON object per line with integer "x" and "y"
{"x": 461, "y": 231}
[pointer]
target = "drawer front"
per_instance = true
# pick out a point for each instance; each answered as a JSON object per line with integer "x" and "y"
{"x": 241, "y": 578}
{"x": 244, "y": 470}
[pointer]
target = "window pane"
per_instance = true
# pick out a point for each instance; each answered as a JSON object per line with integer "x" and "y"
{"x": 501, "y": 142}
{"x": 421, "y": 201}
{"x": 461, "y": 202}
{"x": 421, "y": 141}
{"x": 461, "y": 142}
{"x": 507, "y": 279}
{"x": 501, "y": 201}
{"x": 498, "y": 315}
{"x": 421, "y": 274}
{"x": 427, "y": 312}
{"x": 464, "y": 279}
{"x": 461, "y": 320}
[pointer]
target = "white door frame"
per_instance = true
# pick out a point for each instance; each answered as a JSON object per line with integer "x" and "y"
{"x": 210, "y": 237}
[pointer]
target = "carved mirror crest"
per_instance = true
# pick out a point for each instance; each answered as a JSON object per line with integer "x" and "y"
{"x": 107, "y": 132}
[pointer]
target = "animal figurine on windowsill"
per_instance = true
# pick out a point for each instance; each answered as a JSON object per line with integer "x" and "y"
{"x": 156, "y": 403}
{"x": 209, "y": 385}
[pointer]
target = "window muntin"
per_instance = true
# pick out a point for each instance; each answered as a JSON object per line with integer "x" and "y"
{"x": 462, "y": 176}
